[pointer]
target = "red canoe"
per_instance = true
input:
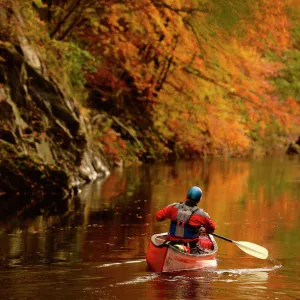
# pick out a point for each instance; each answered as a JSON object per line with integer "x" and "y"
{"x": 161, "y": 257}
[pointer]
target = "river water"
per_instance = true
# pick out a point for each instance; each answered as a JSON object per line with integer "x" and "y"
{"x": 97, "y": 249}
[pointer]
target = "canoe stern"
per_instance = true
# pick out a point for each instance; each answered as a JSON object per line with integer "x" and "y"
{"x": 155, "y": 257}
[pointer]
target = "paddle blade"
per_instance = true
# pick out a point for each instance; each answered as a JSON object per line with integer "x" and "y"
{"x": 253, "y": 249}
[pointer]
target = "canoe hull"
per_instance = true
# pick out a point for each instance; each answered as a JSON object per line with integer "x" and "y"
{"x": 163, "y": 258}
{"x": 156, "y": 256}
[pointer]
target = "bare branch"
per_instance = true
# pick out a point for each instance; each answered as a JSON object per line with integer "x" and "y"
{"x": 65, "y": 18}
{"x": 160, "y": 3}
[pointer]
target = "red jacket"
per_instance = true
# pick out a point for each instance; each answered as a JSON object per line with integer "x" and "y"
{"x": 198, "y": 219}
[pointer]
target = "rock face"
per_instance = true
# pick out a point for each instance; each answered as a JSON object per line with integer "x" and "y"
{"x": 44, "y": 143}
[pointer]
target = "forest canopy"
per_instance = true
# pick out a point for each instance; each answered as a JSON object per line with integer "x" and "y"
{"x": 165, "y": 78}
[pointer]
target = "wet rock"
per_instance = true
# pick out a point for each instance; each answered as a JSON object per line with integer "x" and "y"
{"x": 86, "y": 170}
{"x": 25, "y": 174}
{"x": 99, "y": 166}
{"x": 294, "y": 148}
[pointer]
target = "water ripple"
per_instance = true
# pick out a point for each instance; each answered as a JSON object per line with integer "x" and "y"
{"x": 121, "y": 263}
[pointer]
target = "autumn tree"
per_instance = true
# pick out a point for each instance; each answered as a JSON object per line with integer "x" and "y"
{"x": 183, "y": 78}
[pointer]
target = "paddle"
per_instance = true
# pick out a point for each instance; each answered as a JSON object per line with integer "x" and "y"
{"x": 250, "y": 248}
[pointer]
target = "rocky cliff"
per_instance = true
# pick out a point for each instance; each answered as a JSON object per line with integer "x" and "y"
{"x": 44, "y": 142}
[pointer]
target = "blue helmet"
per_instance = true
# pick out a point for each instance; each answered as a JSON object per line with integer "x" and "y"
{"x": 194, "y": 194}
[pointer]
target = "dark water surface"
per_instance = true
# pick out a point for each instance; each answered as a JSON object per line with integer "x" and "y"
{"x": 98, "y": 250}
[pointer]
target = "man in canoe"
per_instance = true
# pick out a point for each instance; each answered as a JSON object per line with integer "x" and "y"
{"x": 187, "y": 220}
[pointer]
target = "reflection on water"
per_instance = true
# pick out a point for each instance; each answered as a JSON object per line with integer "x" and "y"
{"x": 121, "y": 263}
{"x": 182, "y": 286}
{"x": 101, "y": 240}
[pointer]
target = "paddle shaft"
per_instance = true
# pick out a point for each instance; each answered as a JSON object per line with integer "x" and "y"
{"x": 221, "y": 237}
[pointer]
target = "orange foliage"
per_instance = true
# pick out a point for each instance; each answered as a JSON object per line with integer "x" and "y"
{"x": 205, "y": 90}
{"x": 112, "y": 144}
{"x": 270, "y": 27}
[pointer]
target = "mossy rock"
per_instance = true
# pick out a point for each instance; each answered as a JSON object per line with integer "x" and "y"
{"x": 293, "y": 149}
{"x": 25, "y": 174}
